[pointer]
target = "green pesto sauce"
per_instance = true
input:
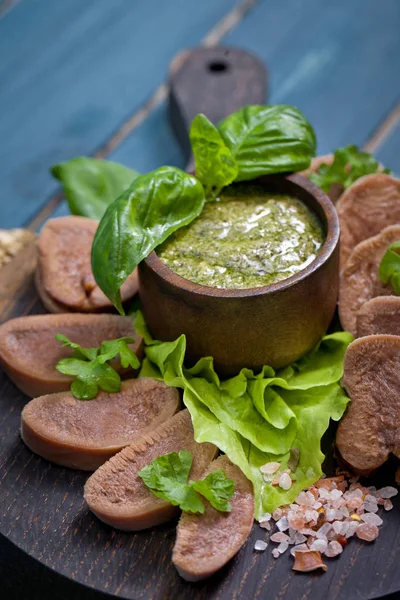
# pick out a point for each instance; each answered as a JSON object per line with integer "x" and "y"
{"x": 245, "y": 239}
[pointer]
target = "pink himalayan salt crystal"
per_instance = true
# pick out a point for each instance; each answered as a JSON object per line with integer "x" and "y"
{"x": 299, "y": 548}
{"x": 320, "y": 545}
{"x": 354, "y": 503}
{"x": 372, "y": 518}
{"x": 296, "y": 522}
{"x": 265, "y": 525}
{"x": 337, "y": 527}
{"x": 367, "y": 532}
{"x": 305, "y": 499}
{"x": 279, "y": 537}
{"x": 387, "y": 492}
{"x": 330, "y": 514}
{"x": 283, "y": 524}
{"x": 276, "y": 515}
{"x": 370, "y": 503}
{"x": 387, "y": 504}
{"x": 323, "y": 530}
{"x": 270, "y": 468}
{"x": 276, "y": 553}
{"x": 260, "y": 546}
{"x": 334, "y": 548}
{"x": 285, "y": 482}
{"x": 352, "y": 528}
{"x": 283, "y": 546}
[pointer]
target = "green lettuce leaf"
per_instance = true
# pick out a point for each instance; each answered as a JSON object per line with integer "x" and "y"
{"x": 92, "y": 184}
{"x": 259, "y": 418}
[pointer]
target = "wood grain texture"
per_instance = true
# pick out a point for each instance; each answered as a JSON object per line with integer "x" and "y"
{"x": 74, "y": 72}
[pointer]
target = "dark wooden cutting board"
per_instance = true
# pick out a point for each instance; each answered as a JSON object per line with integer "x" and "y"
{"x": 51, "y": 546}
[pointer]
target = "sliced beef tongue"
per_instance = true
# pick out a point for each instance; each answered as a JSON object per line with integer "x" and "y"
{"x": 117, "y": 495}
{"x": 359, "y": 281}
{"x": 29, "y": 351}
{"x": 379, "y": 315}
{"x": 205, "y": 543}
{"x": 365, "y": 208}
{"x": 64, "y": 278}
{"x": 84, "y": 434}
{"x": 370, "y": 429}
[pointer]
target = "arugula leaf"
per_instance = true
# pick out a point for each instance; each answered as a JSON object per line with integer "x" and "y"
{"x": 110, "y": 349}
{"x": 79, "y": 351}
{"x": 257, "y": 418}
{"x": 216, "y": 488}
{"x": 389, "y": 269}
{"x": 167, "y": 477}
{"x": 268, "y": 139}
{"x": 215, "y": 165}
{"x": 156, "y": 205}
{"x": 349, "y": 164}
{"x": 91, "y": 184}
{"x": 90, "y": 375}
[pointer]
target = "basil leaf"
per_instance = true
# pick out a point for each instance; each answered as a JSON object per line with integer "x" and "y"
{"x": 91, "y": 184}
{"x": 215, "y": 165}
{"x": 216, "y": 488}
{"x": 110, "y": 349}
{"x": 268, "y": 139}
{"x": 349, "y": 164}
{"x": 156, "y": 205}
{"x": 389, "y": 269}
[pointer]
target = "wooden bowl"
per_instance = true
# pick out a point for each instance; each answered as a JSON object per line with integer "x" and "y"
{"x": 271, "y": 325}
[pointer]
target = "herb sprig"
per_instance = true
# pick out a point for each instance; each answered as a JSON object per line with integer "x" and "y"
{"x": 349, "y": 164}
{"x": 90, "y": 366}
{"x": 389, "y": 268}
{"x": 167, "y": 478}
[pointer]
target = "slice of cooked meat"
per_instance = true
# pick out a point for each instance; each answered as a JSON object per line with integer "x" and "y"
{"x": 29, "y": 351}
{"x": 64, "y": 278}
{"x": 370, "y": 429}
{"x": 359, "y": 281}
{"x": 84, "y": 434}
{"x": 205, "y": 543}
{"x": 117, "y": 495}
{"x": 365, "y": 208}
{"x": 379, "y": 315}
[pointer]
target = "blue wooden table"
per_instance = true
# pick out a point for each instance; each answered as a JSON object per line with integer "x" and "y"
{"x": 88, "y": 77}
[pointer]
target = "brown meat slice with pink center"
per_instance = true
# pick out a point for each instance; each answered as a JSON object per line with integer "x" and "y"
{"x": 370, "y": 430}
{"x": 379, "y": 315}
{"x": 83, "y": 434}
{"x": 365, "y": 208}
{"x": 117, "y": 495}
{"x": 64, "y": 278}
{"x": 205, "y": 543}
{"x": 359, "y": 280}
{"x": 29, "y": 351}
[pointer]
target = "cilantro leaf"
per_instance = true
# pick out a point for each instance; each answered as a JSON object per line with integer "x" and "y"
{"x": 110, "y": 349}
{"x": 349, "y": 164}
{"x": 389, "y": 269}
{"x": 167, "y": 477}
{"x": 79, "y": 351}
{"x": 216, "y": 488}
{"x": 90, "y": 376}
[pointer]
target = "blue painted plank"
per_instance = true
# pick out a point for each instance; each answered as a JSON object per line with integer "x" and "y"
{"x": 339, "y": 63}
{"x": 389, "y": 153}
{"x": 74, "y": 72}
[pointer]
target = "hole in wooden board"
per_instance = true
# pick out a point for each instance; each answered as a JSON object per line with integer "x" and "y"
{"x": 218, "y": 66}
